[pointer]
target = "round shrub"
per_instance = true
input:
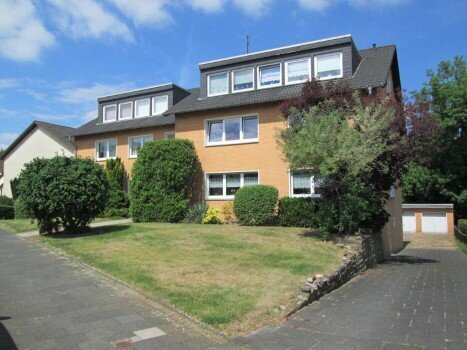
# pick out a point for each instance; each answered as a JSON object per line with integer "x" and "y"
{"x": 462, "y": 226}
{"x": 63, "y": 192}
{"x": 7, "y": 201}
{"x": 297, "y": 212}
{"x": 21, "y": 211}
{"x": 255, "y": 205}
{"x": 162, "y": 180}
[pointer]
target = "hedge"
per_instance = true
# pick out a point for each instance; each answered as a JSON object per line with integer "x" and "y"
{"x": 297, "y": 212}
{"x": 7, "y": 212}
{"x": 462, "y": 226}
{"x": 21, "y": 211}
{"x": 4, "y": 200}
{"x": 255, "y": 205}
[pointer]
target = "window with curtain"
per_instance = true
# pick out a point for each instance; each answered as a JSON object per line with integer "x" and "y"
{"x": 242, "y": 79}
{"x": 216, "y": 185}
{"x": 106, "y": 149}
{"x": 301, "y": 183}
{"x": 160, "y": 104}
{"x": 224, "y": 186}
{"x": 126, "y": 110}
{"x": 218, "y": 83}
{"x": 328, "y": 66}
{"x": 232, "y": 184}
{"x": 270, "y": 75}
{"x": 298, "y": 71}
{"x": 136, "y": 143}
{"x": 142, "y": 108}
{"x": 110, "y": 113}
{"x": 250, "y": 179}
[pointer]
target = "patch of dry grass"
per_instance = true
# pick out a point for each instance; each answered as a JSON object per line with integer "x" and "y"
{"x": 232, "y": 277}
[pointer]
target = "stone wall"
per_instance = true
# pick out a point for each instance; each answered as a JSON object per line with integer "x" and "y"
{"x": 361, "y": 253}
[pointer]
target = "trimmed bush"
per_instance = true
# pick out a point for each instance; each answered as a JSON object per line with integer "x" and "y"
{"x": 162, "y": 180}
{"x": 255, "y": 205}
{"x": 7, "y": 201}
{"x": 213, "y": 216}
{"x": 118, "y": 201}
{"x": 7, "y": 212}
{"x": 297, "y": 212}
{"x": 21, "y": 211}
{"x": 462, "y": 225}
{"x": 196, "y": 213}
{"x": 63, "y": 192}
{"x": 110, "y": 212}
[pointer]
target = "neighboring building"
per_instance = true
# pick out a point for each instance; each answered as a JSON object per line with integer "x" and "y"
{"x": 428, "y": 218}
{"x": 234, "y": 115}
{"x": 39, "y": 140}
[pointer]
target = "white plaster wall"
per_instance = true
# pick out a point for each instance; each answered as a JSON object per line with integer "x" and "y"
{"x": 38, "y": 144}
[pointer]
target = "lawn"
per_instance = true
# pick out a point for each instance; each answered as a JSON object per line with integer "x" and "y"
{"x": 232, "y": 277}
{"x": 25, "y": 225}
{"x": 461, "y": 245}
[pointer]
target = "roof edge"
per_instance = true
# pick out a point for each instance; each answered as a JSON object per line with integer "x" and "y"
{"x": 120, "y": 94}
{"x": 428, "y": 206}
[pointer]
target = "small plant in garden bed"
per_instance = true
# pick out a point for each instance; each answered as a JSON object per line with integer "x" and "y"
{"x": 212, "y": 216}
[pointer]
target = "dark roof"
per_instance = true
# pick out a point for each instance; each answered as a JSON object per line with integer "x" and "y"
{"x": 148, "y": 90}
{"x": 372, "y": 71}
{"x": 59, "y": 131}
{"x": 93, "y": 127}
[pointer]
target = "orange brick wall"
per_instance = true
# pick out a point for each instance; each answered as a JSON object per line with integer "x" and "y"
{"x": 86, "y": 145}
{"x": 264, "y": 156}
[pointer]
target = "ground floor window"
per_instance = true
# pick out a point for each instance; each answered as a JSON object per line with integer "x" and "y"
{"x": 224, "y": 186}
{"x": 106, "y": 149}
{"x": 136, "y": 143}
{"x": 304, "y": 184}
{"x": 169, "y": 135}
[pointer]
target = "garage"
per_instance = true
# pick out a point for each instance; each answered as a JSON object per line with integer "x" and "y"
{"x": 428, "y": 218}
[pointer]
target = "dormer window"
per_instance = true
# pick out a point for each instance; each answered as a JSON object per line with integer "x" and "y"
{"x": 110, "y": 113}
{"x": 142, "y": 108}
{"x": 218, "y": 84}
{"x": 242, "y": 79}
{"x": 329, "y": 66}
{"x": 160, "y": 104}
{"x": 269, "y": 76}
{"x": 125, "y": 110}
{"x": 298, "y": 71}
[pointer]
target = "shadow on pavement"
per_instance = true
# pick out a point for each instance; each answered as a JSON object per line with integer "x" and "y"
{"x": 407, "y": 259}
{"x": 96, "y": 231}
{"x": 6, "y": 341}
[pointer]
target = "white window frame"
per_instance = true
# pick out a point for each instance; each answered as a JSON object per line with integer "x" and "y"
{"x": 252, "y": 80}
{"x": 96, "y": 149}
{"x": 153, "y": 104}
{"x": 136, "y": 107}
{"x": 103, "y": 113}
{"x": 120, "y": 110}
{"x": 168, "y": 133}
{"x": 209, "y": 84}
{"x": 287, "y": 82}
{"x": 207, "y": 143}
{"x": 258, "y": 75}
{"x": 224, "y": 179}
{"x": 324, "y": 55}
{"x": 312, "y": 186}
{"x": 133, "y": 137}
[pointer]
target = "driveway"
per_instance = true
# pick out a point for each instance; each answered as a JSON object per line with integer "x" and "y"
{"x": 47, "y": 301}
{"x": 415, "y": 300}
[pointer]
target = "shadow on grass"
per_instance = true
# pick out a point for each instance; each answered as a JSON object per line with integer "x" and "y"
{"x": 94, "y": 231}
{"x": 311, "y": 233}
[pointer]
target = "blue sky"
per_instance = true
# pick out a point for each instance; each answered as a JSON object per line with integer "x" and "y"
{"x": 58, "y": 56}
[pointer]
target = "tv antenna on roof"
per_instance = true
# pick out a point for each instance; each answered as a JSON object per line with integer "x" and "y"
{"x": 248, "y": 38}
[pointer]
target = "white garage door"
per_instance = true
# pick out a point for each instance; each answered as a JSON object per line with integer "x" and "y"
{"x": 408, "y": 222}
{"x": 434, "y": 223}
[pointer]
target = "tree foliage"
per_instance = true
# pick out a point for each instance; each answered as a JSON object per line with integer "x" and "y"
{"x": 63, "y": 192}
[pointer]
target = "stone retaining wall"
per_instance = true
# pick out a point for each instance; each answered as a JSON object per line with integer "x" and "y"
{"x": 361, "y": 253}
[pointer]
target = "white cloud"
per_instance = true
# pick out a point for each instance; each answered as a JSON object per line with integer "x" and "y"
{"x": 22, "y": 35}
{"x": 6, "y": 138}
{"x": 209, "y": 6}
{"x": 90, "y": 94}
{"x": 145, "y": 12}
{"x": 320, "y": 5}
{"x": 87, "y": 117}
{"x": 377, "y": 2}
{"x": 87, "y": 18}
{"x": 315, "y": 5}
{"x": 47, "y": 117}
{"x": 254, "y": 8}
{"x": 8, "y": 83}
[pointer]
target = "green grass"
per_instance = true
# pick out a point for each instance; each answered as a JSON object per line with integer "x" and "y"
{"x": 25, "y": 225}
{"x": 229, "y": 276}
{"x": 461, "y": 245}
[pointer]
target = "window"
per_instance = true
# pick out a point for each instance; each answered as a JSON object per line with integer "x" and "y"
{"x": 142, "y": 108}
{"x": 304, "y": 184}
{"x": 110, "y": 113}
{"x": 232, "y": 130}
{"x": 224, "y": 186}
{"x": 169, "y": 135}
{"x": 160, "y": 104}
{"x": 106, "y": 149}
{"x": 298, "y": 71}
{"x": 125, "y": 110}
{"x": 218, "y": 84}
{"x": 269, "y": 76}
{"x": 242, "y": 79}
{"x": 135, "y": 143}
{"x": 328, "y": 66}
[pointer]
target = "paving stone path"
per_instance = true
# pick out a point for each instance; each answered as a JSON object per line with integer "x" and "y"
{"x": 415, "y": 300}
{"x": 48, "y": 301}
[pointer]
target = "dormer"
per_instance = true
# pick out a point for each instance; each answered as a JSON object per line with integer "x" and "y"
{"x": 333, "y": 58}
{"x": 142, "y": 103}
